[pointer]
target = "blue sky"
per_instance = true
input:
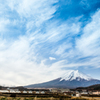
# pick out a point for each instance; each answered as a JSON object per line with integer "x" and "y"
{"x": 41, "y": 39}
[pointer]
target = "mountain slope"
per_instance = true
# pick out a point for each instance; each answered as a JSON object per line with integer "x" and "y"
{"x": 72, "y": 79}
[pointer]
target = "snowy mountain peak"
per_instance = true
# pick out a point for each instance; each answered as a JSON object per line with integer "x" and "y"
{"x": 75, "y": 75}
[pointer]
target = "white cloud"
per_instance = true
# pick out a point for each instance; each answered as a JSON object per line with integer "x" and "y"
{"x": 52, "y": 58}
{"x": 18, "y": 57}
{"x": 88, "y": 44}
{"x": 37, "y": 10}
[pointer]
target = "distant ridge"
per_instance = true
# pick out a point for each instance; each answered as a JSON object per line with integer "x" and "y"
{"x": 92, "y": 87}
{"x": 72, "y": 79}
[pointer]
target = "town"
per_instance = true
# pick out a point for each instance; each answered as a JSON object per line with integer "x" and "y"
{"x": 49, "y": 92}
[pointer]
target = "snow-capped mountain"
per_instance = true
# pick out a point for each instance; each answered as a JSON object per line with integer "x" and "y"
{"x": 75, "y": 74}
{"x": 71, "y": 79}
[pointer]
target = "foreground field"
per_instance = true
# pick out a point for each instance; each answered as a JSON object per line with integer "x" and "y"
{"x": 92, "y": 98}
{"x": 36, "y": 98}
{"x": 49, "y": 98}
{"x": 45, "y": 97}
{"x": 32, "y": 98}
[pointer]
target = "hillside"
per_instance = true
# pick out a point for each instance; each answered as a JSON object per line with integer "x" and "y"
{"x": 92, "y": 87}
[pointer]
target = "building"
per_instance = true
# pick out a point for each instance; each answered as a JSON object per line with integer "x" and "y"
{"x": 18, "y": 91}
{"x": 54, "y": 90}
{"x": 78, "y": 95}
{"x": 4, "y": 91}
{"x": 37, "y": 92}
{"x": 30, "y": 92}
{"x": 85, "y": 92}
{"x": 64, "y": 90}
{"x": 90, "y": 92}
{"x": 24, "y": 92}
{"x": 42, "y": 92}
{"x": 96, "y": 92}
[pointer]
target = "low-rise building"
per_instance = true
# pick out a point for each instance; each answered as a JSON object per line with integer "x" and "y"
{"x": 42, "y": 92}
{"x": 54, "y": 90}
{"x": 30, "y": 92}
{"x": 4, "y": 91}
{"x": 37, "y": 92}
{"x": 78, "y": 95}
{"x": 12, "y": 91}
{"x": 64, "y": 90}
{"x": 24, "y": 92}
{"x": 90, "y": 92}
{"x": 84, "y": 91}
{"x": 96, "y": 92}
{"x": 18, "y": 91}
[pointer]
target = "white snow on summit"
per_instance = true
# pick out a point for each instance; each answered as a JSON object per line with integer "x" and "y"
{"x": 74, "y": 74}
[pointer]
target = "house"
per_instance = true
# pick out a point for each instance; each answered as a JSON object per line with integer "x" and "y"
{"x": 90, "y": 92}
{"x": 96, "y": 92}
{"x": 42, "y": 92}
{"x": 12, "y": 91}
{"x": 4, "y": 91}
{"x": 78, "y": 95}
{"x": 30, "y": 92}
{"x": 84, "y": 91}
{"x": 24, "y": 91}
{"x": 65, "y": 93}
{"x": 18, "y": 91}
{"x": 64, "y": 90}
{"x": 37, "y": 92}
{"x": 54, "y": 90}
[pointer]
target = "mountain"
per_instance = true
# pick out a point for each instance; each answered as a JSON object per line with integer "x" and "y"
{"x": 72, "y": 79}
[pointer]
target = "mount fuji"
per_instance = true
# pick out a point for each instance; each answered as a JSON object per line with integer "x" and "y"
{"x": 72, "y": 79}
